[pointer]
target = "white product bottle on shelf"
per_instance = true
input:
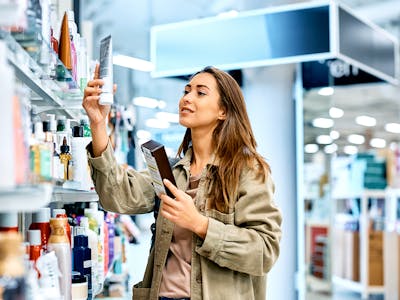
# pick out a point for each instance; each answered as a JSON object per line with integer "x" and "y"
{"x": 59, "y": 243}
{"x": 7, "y": 159}
{"x": 81, "y": 172}
{"x": 102, "y": 241}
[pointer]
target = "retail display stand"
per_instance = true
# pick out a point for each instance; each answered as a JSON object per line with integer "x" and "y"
{"x": 378, "y": 250}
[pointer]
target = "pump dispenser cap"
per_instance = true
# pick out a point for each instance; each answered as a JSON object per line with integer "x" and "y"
{"x": 52, "y": 121}
{"x": 41, "y": 216}
{"x": 71, "y": 15}
{"x": 94, "y": 205}
{"x": 38, "y": 129}
{"x": 89, "y": 212}
{"x": 84, "y": 120}
{"x": 8, "y": 219}
{"x": 46, "y": 126}
{"x": 34, "y": 237}
{"x": 77, "y": 131}
{"x": 64, "y": 148}
{"x": 58, "y": 211}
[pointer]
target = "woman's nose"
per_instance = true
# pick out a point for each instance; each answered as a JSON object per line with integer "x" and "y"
{"x": 187, "y": 97}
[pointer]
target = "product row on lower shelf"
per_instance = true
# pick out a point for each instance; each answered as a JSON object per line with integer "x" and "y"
{"x": 76, "y": 252}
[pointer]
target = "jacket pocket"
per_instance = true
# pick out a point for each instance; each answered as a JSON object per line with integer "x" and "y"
{"x": 219, "y": 216}
{"x": 140, "y": 293}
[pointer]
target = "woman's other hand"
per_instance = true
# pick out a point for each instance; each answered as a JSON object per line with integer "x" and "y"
{"x": 182, "y": 211}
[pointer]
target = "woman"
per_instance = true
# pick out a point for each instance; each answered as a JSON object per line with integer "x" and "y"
{"x": 219, "y": 236}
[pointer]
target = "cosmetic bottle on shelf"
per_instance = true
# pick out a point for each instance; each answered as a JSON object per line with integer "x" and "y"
{"x": 60, "y": 244}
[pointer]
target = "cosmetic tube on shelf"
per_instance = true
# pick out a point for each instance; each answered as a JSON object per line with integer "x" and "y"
{"x": 49, "y": 281}
{"x": 64, "y": 44}
{"x": 106, "y": 71}
{"x": 41, "y": 221}
{"x": 82, "y": 256}
{"x": 35, "y": 244}
{"x": 81, "y": 171}
{"x": 9, "y": 222}
{"x": 60, "y": 244}
{"x": 60, "y": 213}
{"x": 109, "y": 219}
{"x": 93, "y": 245}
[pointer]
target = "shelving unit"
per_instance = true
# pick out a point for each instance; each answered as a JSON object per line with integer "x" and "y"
{"x": 25, "y": 198}
{"x": 49, "y": 94}
{"x": 70, "y": 196}
{"x": 390, "y": 248}
{"x": 43, "y": 85}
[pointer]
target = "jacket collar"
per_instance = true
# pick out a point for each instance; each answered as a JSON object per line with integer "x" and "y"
{"x": 187, "y": 158}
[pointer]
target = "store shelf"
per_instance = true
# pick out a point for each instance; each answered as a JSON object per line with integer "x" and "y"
{"x": 390, "y": 250}
{"x": 50, "y": 95}
{"x": 70, "y": 196}
{"x": 25, "y": 198}
{"x": 357, "y": 286}
{"x": 318, "y": 284}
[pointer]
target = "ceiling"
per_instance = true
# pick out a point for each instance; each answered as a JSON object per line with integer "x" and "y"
{"x": 378, "y": 100}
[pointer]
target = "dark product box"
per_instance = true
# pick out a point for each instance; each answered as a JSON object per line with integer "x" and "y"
{"x": 158, "y": 165}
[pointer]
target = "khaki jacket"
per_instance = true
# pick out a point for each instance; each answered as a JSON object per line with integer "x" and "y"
{"x": 240, "y": 246}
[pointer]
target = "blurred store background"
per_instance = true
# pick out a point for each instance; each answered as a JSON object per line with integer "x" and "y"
{"x": 329, "y": 125}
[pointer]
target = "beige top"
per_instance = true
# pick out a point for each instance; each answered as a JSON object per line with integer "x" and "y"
{"x": 175, "y": 282}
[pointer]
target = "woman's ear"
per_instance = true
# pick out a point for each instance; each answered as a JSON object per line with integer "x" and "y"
{"x": 221, "y": 114}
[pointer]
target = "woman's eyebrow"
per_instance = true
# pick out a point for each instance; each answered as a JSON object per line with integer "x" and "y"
{"x": 197, "y": 85}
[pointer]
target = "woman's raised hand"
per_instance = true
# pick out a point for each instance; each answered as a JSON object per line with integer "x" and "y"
{"x": 97, "y": 113}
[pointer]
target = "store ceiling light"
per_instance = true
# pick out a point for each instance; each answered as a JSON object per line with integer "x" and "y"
{"x": 377, "y": 143}
{"x": 326, "y": 91}
{"x": 133, "y": 63}
{"x": 322, "y": 123}
{"x": 324, "y": 139}
{"x": 350, "y": 150}
{"x": 392, "y": 127}
{"x": 149, "y": 102}
{"x": 143, "y": 134}
{"x": 157, "y": 123}
{"x": 334, "y": 134}
{"x": 311, "y": 148}
{"x": 329, "y": 149}
{"x": 167, "y": 116}
{"x": 366, "y": 121}
{"x": 336, "y": 113}
{"x": 228, "y": 14}
{"x": 357, "y": 139}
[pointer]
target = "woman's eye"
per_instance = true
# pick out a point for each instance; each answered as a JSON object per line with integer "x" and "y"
{"x": 201, "y": 93}
{"x": 185, "y": 92}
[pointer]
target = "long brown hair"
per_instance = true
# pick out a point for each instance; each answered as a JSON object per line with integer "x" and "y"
{"x": 234, "y": 144}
